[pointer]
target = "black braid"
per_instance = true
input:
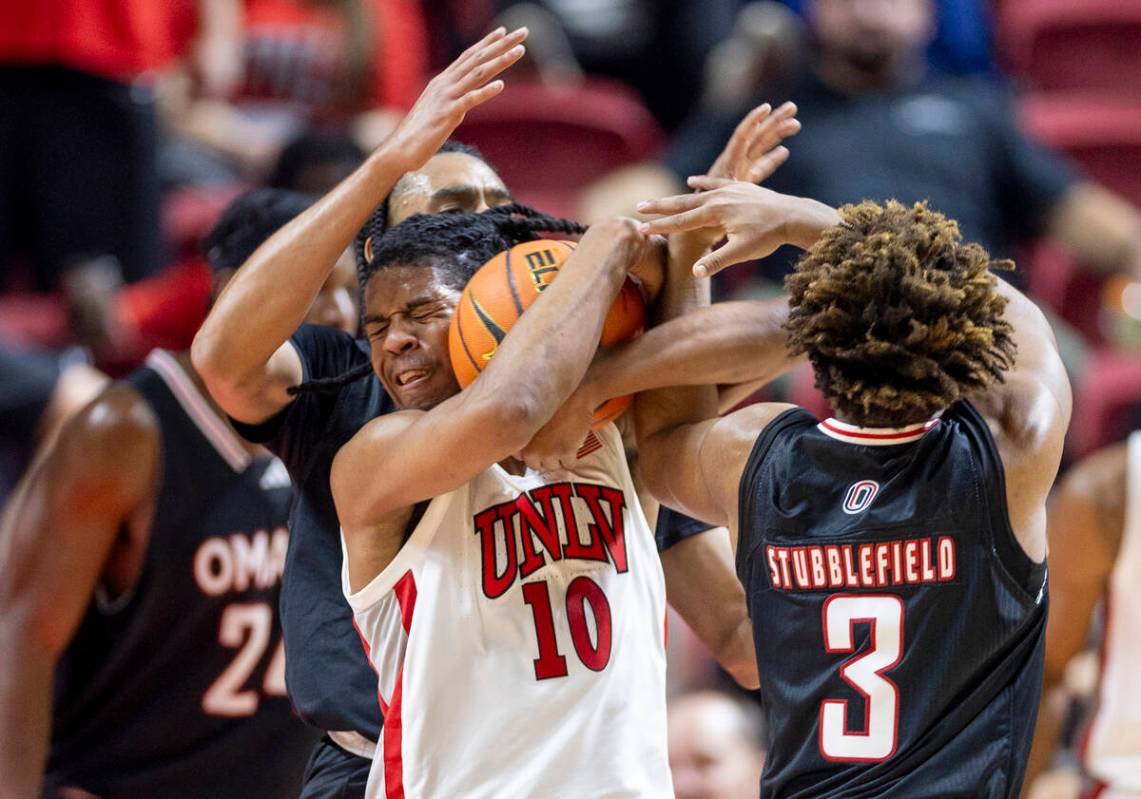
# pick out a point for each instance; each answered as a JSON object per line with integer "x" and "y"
{"x": 455, "y": 244}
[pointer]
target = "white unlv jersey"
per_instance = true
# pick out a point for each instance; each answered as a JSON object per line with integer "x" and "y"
{"x": 519, "y": 641}
{"x": 1113, "y": 750}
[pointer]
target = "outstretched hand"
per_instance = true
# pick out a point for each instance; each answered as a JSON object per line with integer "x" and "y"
{"x": 466, "y": 83}
{"x": 753, "y": 152}
{"x": 753, "y": 220}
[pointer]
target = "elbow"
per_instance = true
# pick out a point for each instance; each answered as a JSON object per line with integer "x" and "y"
{"x": 208, "y": 355}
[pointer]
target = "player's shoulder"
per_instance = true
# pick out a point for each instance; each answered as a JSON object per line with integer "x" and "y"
{"x": 740, "y": 430}
{"x": 118, "y": 421}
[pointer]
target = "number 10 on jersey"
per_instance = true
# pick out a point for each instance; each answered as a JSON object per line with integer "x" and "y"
{"x": 594, "y": 654}
{"x": 865, "y": 674}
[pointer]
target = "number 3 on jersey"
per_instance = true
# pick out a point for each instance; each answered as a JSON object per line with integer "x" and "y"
{"x": 880, "y": 730}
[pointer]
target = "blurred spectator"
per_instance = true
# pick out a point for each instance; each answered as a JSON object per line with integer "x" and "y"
{"x": 656, "y": 46}
{"x": 78, "y": 134}
{"x": 878, "y": 124}
{"x": 716, "y": 746}
{"x": 315, "y": 162}
{"x": 326, "y": 62}
{"x": 963, "y": 40}
{"x": 39, "y": 391}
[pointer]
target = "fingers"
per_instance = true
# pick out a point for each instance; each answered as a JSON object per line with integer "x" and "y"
{"x": 767, "y": 164}
{"x": 772, "y": 129}
{"x": 467, "y": 55}
{"x": 495, "y": 58}
{"x": 745, "y": 129}
{"x": 680, "y": 223}
{"x": 731, "y": 252}
{"x": 707, "y": 183}
{"x": 480, "y": 95}
{"x": 670, "y": 205}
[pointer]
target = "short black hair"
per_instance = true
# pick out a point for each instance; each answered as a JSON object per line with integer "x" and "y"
{"x": 247, "y": 222}
{"x": 311, "y": 149}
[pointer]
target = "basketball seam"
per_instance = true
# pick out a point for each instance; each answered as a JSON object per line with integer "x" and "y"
{"x": 463, "y": 341}
{"x": 511, "y": 286}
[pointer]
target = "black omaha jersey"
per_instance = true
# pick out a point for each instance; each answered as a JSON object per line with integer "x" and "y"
{"x": 177, "y": 688}
{"x": 330, "y": 680}
{"x": 899, "y": 625}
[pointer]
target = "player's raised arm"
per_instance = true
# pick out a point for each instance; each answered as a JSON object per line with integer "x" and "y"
{"x": 241, "y": 351}
{"x": 1030, "y": 413}
{"x": 57, "y": 535}
{"x": 423, "y": 454}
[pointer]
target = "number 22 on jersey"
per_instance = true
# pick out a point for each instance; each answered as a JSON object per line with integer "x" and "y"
{"x": 865, "y": 674}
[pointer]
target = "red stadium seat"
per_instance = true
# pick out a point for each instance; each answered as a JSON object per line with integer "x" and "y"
{"x": 548, "y": 142}
{"x": 1073, "y": 292}
{"x": 1068, "y": 44}
{"x": 1101, "y": 132}
{"x": 1109, "y": 388}
{"x": 189, "y": 213}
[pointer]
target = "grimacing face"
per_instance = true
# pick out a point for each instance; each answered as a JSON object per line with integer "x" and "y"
{"x": 408, "y": 310}
{"x": 449, "y": 182}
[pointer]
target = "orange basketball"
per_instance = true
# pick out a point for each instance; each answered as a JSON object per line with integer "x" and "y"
{"x": 504, "y": 287}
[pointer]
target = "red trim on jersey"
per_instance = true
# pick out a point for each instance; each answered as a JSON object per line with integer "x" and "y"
{"x": 393, "y": 757}
{"x": 368, "y": 657}
{"x": 405, "y": 591}
{"x": 915, "y": 431}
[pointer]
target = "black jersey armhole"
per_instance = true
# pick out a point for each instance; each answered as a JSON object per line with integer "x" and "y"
{"x": 1028, "y": 574}
{"x": 753, "y": 465}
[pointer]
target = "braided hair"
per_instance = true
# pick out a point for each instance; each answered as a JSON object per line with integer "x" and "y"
{"x": 456, "y": 245}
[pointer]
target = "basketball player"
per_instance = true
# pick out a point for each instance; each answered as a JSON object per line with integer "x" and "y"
{"x": 1095, "y": 549}
{"x": 250, "y": 354}
{"x": 469, "y": 575}
{"x": 139, "y": 589}
{"x": 893, "y": 556}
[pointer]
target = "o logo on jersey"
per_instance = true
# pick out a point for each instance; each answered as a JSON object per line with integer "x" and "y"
{"x": 860, "y": 495}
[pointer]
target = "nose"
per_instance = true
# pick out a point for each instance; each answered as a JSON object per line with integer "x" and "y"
{"x": 399, "y": 338}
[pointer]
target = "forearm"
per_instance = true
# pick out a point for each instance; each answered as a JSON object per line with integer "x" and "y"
{"x": 702, "y": 586}
{"x": 268, "y": 298}
{"x": 25, "y": 714}
{"x": 726, "y": 343}
{"x": 667, "y": 407}
{"x": 547, "y": 353}
{"x": 1099, "y": 228}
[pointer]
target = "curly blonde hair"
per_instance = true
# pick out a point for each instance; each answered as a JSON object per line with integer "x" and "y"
{"x": 898, "y": 316}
